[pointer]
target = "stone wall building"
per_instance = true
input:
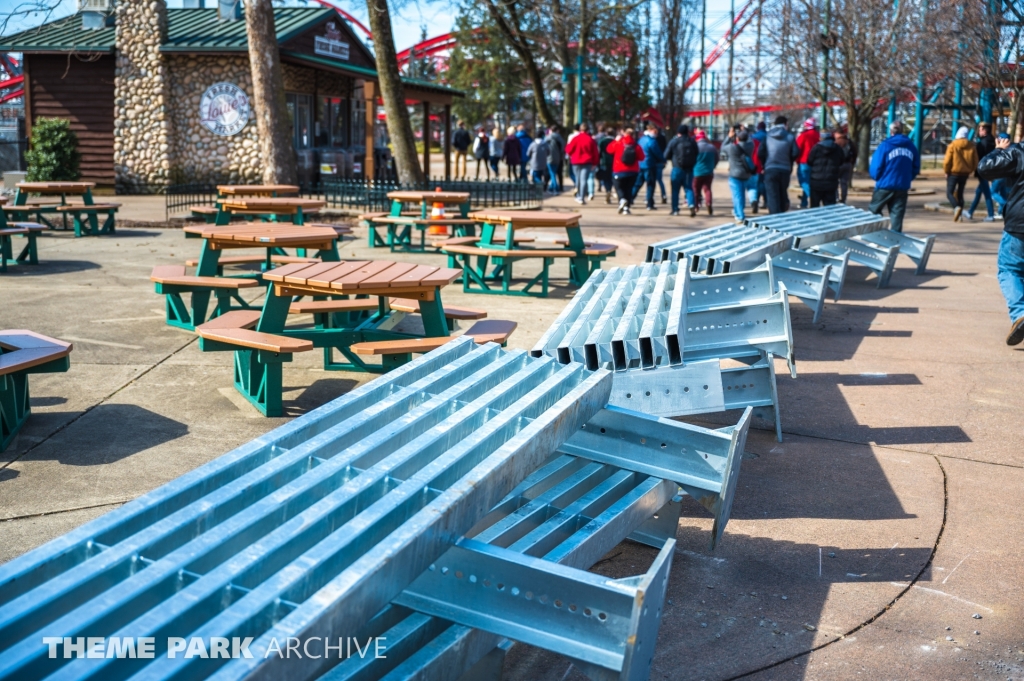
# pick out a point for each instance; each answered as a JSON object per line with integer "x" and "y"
{"x": 160, "y": 96}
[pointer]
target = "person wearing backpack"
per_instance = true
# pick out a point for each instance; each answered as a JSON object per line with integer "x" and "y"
{"x": 825, "y": 165}
{"x": 556, "y": 159}
{"x": 682, "y": 151}
{"x": 604, "y": 164}
{"x": 626, "y": 158}
{"x": 512, "y": 154}
{"x": 777, "y": 155}
{"x": 653, "y": 159}
{"x": 704, "y": 170}
{"x": 537, "y": 156}
{"x": 482, "y": 153}
{"x": 739, "y": 151}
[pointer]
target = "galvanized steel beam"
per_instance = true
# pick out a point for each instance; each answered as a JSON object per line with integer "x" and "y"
{"x": 719, "y": 250}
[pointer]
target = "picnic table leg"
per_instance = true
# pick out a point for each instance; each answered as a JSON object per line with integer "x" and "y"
{"x": 432, "y": 312}
{"x": 298, "y": 219}
{"x": 258, "y": 374}
{"x": 396, "y": 208}
{"x": 94, "y": 225}
{"x": 5, "y": 251}
{"x": 579, "y": 267}
{"x": 30, "y": 253}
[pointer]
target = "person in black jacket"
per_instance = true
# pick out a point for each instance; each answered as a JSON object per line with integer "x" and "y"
{"x": 1006, "y": 163}
{"x": 985, "y": 145}
{"x": 682, "y": 151}
{"x": 826, "y": 163}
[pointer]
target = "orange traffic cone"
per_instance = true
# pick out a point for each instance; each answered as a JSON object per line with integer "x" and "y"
{"x": 437, "y": 213}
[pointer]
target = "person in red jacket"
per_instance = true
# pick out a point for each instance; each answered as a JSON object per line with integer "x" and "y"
{"x": 584, "y": 156}
{"x": 626, "y": 157}
{"x": 805, "y": 141}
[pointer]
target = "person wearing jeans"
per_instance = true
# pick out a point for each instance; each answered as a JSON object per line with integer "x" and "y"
{"x": 682, "y": 151}
{"x": 584, "y": 156}
{"x": 776, "y": 156}
{"x": 984, "y": 146}
{"x": 681, "y": 179}
{"x": 894, "y": 165}
{"x": 739, "y": 151}
{"x": 1006, "y": 164}
{"x": 626, "y": 158}
{"x": 960, "y": 162}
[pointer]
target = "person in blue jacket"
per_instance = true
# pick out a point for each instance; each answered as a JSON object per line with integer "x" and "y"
{"x": 654, "y": 158}
{"x": 524, "y": 146}
{"x": 893, "y": 167}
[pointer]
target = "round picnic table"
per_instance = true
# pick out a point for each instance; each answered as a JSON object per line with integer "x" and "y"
{"x": 271, "y": 206}
{"x": 383, "y": 279}
{"x": 269, "y": 190}
{"x": 273, "y": 236}
{"x": 426, "y": 199}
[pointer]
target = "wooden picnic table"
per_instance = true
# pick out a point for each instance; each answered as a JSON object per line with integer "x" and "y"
{"x": 273, "y": 236}
{"x": 494, "y": 221}
{"x": 271, "y": 206}
{"x": 426, "y": 199}
{"x": 61, "y": 189}
{"x": 268, "y": 190}
{"x": 261, "y": 340}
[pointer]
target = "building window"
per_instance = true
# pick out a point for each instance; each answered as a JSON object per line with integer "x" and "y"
{"x": 332, "y": 122}
{"x": 358, "y": 117}
{"x": 300, "y": 111}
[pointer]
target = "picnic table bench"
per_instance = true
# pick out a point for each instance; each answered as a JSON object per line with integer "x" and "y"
{"x": 663, "y": 332}
{"x": 324, "y": 522}
{"x": 172, "y": 281}
{"x": 401, "y": 224}
{"x": 22, "y": 208}
{"x": 341, "y": 324}
{"x": 491, "y": 249}
{"x": 22, "y": 353}
{"x": 268, "y": 208}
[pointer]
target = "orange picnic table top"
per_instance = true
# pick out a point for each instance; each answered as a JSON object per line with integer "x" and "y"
{"x": 256, "y": 189}
{"x": 260, "y": 234}
{"x": 271, "y": 204}
{"x": 56, "y": 187}
{"x": 374, "y": 277}
{"x": 429, "y": 197}
{"x": 521, "y": 219}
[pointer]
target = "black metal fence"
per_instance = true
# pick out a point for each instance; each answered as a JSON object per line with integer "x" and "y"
{"x": 371, "y": 195}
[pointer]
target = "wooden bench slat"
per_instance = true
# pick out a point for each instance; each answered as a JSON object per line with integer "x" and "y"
{"x": 451, "y": 312}
{"x": 255, "y": 259}
{"x": 175, "y": 275}
{"x": 82, "y": 208}
{"x": 256, "y": 340}
{"x": 340, "y": 229}
{"x": 236, "y": 319}
{"x": 168, "y": 271}
{"x": 30, "y": 226}
{"x": 21, "y": 339}
{"x": 439, "y": 222}
{"x": 486, "y": 331}
{"x": 321, "y": 306}
{"x": 515, "y": 253}
{"x": 8, "y": 231}
{"x": 19, "y": 360}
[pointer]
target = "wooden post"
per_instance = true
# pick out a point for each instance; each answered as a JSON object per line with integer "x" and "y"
{"x": 448, "y": 142}
{"x": 370, "y": 93}
{"x": 426, "y": 140}
{"x": 26, "y": 86}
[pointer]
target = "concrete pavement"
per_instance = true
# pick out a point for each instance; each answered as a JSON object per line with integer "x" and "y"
{"x": 889, "y": 512}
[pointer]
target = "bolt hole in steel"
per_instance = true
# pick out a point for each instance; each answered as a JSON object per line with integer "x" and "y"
{"x": 629, "y": 395}
{"x": 528, "y": 595}
{"x": 602, "y": 616}
{"x": 648, "y": 393}
{"x": 558, "y": 603}
{"x": 432, "y": 567}
{"x": 543, "y": 598}
{"x": 705, "y": 387}
{"x": 501, "y": 587}
{"x": 487, "y": 583}
{"x": 458, "y": 574}
{"x": 686, "y": 389}
{"x": 643, "y": 440}
{"x": 666, "y": 391}
{"x": 472, "y": 579}
{"x": 663, "y": 445}
{"x": 515, "y": 591}
{"x": 444, "y": 571}
{"x": 572, "y": 607}
{"x": 586, "y": 611}
{"x": 602, "y": 430}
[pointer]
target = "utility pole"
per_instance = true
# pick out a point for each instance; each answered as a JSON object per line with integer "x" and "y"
{"x": 919, "y": 105}
{"x": 826, "y": 45}
{"x": 703, "y": 37}
{"x": 892, "y": 93}
{"x": 579, "y": 73}
{"x": 757, "y": 56}
{"x": 711, "y": 111}
{"x": 732, "y": 52}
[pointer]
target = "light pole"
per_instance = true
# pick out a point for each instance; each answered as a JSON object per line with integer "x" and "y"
{"x": 826, "y": 45}
{"x": 580, "y": 73}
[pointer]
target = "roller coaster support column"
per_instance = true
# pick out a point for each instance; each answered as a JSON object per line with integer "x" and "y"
{"x": 580, "y": 74}
{"x": 919, "y": 111}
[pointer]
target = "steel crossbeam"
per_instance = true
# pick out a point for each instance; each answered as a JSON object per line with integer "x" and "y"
{"x": 666, "y": 357}
{"x": 918, "y": 249}
{"x": 562, "y": 519}
{"x": 814, "y": 264}
{"x": 877, "y": 257}
{"x": 720, "y": 250}
{"x": 313, "y": 526}
{"x": 821, "y": 225}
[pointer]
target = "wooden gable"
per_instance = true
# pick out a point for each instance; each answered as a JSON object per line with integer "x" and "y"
{"x": 333, "y": 39}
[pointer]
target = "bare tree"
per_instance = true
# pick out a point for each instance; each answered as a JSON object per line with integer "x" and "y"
{"x": 268, "y": 95}
{"x": 511, "y": 20}
{"x": 874, "y": 49}
{"x": 678, "y": 37}
{"x": 399, "y": 126}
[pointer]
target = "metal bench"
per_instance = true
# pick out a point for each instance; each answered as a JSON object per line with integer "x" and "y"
{"x": 22, "y": 353}
{"x": 447, "y": 506}
{"x": 657, "y": 316}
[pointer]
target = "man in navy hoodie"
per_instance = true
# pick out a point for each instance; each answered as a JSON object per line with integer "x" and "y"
{"x": 895, "y": 164}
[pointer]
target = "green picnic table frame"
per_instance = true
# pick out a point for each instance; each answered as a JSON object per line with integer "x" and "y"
{"x": 62, "y": 189}
{"x": 400, "y": 237}
{"x": 258, "y": 373}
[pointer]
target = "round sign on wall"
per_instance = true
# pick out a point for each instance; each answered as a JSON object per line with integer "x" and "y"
{"x": 224, "y": 109}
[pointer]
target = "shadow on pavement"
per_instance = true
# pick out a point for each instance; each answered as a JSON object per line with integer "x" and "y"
{"x": 116, "y": 431}
{"x": 49, "y": 267}
{"x": 316, "y": 395}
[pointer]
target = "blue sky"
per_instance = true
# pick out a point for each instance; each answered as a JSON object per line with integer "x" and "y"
{"x": 438, "y": 17}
